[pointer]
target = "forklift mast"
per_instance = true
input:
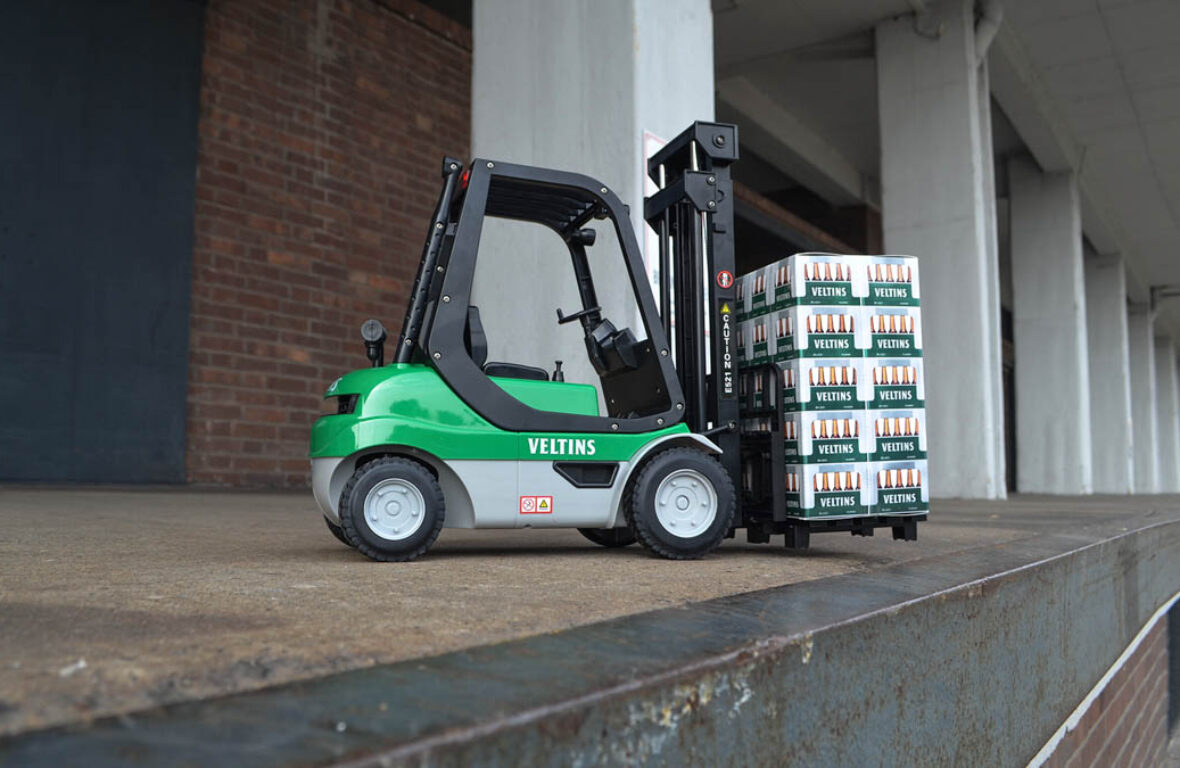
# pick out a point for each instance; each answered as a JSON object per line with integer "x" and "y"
{"x": 692, "y": 215}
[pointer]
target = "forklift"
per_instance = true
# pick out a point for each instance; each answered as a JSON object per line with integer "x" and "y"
{"x": 443, "y": 437}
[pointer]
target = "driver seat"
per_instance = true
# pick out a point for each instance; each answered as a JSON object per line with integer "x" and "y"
{"x": 476, "y": 342}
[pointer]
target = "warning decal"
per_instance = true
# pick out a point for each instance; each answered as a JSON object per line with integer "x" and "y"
{"x": 536, "y": 505}
{"x": 724, "y": 278}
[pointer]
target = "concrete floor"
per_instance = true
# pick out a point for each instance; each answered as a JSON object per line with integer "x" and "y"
{"x": 112, "y": 601}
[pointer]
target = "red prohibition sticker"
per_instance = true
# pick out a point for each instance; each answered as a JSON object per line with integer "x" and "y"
{"x": 536, "y": 505}
{"x": 724, "y": 278}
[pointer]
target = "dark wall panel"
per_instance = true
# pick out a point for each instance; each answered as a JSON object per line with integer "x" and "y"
{"x": 98, "y": 138}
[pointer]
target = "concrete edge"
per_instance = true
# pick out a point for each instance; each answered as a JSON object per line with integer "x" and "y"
{"x": 966, "y": 647}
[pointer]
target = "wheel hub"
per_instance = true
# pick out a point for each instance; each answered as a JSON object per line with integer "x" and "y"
{"x": 394, "y": 509}
{"x": 686, "y": 503}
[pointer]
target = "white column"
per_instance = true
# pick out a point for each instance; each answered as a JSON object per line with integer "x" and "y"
{"x": 573, "y": 85}
{"x": 1053, "y": 450}
{"x": 938, "y": 205}
{"x": 1111, "y": 420}
{"x": 1167, "y": 398}
{"x": 1143, "y": 399}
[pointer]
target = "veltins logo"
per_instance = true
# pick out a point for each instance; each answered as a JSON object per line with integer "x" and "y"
{"x": 562, "y": 446}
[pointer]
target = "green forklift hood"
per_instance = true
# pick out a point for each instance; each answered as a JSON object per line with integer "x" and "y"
{"x": 409, "y": 404}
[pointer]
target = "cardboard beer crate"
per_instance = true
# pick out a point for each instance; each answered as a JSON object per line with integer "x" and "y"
{"x": 891, "y": 281}
{"x": 899, "y": 487}
{"x": 764, "y": 290}
{"x": 826, "y": 278}
{"x": 892, "y": 331}
{"x": 754, "y": 344}
{"x": 894, "y": 382}
{"x": 823, "y": 384}
{"x": 815, "y": 331}
{"x": 897, "y": 435}
{"x": 828, "y": 490}
{"x": 826, "y": 437}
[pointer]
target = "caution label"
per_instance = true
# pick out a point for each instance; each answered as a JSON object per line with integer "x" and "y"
{"x": 536, "y": 505}
{"x": 726, "y": 355}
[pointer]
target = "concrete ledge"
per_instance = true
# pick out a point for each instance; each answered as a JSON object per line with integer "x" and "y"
{"x": 971, "y": 658}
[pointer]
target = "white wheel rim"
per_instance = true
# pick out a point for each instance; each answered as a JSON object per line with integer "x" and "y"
{"x": 686, "y": 503}
{"x": 394, "y": 509}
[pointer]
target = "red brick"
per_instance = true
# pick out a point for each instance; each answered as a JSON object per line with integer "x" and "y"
{"x": 319, "y": 142}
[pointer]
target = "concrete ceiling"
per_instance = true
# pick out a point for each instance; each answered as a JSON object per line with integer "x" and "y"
{"x": 1086, "y": 84}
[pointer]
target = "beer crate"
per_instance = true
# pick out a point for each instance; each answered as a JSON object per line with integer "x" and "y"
{"x": 892, "y": 331}
{"x": 823, "y": 384}
{"x": 827, "y": 490}
{"x": 897, "y": 435}
{"x": 891, "y": 281}
{"x": 894, "y": 382}
{"x": 899, "y": 487}
{"x": 826, "y": 278}
{"x": 763, "y": 290}
{"x": 815, "y": 331}
{"x": 826, "y": 437}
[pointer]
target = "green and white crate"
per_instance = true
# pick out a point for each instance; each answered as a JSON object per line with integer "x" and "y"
{"x": 899, "y": 487}
{"x": 891, "y": 281}
{"x": 892, "y": 331}
{"x": 828, "y": 490}
{"x": 897, "y": 435}
{"x": 824, "y": 384}
{"x": 826, "y": 437}
{"x": 894, "y": 382}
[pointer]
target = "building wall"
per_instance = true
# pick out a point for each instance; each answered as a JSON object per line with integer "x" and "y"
{"x": 322, "y": 129}
{"x": 1126, "y": 724}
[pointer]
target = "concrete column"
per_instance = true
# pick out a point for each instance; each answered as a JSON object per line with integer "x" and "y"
{"x": 938, "y": 205}
{"x": 1167, "y": 398}
{"x": 574, "y": 85}
{"x": 1111, "y": 420}
{"x": 1053, "y": 446}
{"x": 1141, "y": 355}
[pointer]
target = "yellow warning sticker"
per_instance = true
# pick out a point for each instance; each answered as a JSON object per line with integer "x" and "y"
{"x": 536, "y": 505}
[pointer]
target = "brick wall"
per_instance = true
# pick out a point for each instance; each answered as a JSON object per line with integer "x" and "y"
{"x": 1126, "y": 724}
{"x": 323, "y": 124}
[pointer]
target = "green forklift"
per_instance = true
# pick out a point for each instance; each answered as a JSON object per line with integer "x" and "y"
{"x": 443, "y": 437}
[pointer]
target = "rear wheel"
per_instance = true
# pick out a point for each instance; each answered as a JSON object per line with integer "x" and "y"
{"x": 682, "y": 504}
{"x": 609, "y": 537}
{"x": 392, "y": 509}
{"x": 337, "y": 532}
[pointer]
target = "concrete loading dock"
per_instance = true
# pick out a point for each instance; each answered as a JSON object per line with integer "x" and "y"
{"x": 184, "y": 597}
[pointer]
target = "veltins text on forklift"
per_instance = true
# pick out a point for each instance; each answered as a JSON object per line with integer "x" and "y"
{"x": 561, "y": 446}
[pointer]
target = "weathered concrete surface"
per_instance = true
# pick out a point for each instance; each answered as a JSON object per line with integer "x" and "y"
{"x": 171, "y": 595}
{"x": 168, "y": 589}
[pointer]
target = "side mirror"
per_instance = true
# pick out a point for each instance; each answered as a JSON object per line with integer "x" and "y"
{"x": 373, "y": 333}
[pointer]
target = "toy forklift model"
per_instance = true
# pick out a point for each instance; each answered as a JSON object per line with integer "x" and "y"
{"x": 444, "y": 437}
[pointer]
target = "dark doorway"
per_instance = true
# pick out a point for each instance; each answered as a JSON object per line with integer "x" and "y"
{"x": 97, "y": 171}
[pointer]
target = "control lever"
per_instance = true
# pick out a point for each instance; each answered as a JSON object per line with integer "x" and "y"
{"x": 558, "y": 374}
{"x": 563, "y": 319}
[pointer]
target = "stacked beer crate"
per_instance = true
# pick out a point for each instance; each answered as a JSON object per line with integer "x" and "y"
{"x": 846, "y": 334}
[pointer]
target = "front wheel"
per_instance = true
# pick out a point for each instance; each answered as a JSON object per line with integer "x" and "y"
{"x": 392, "y": 509}
{"x": 682, "y": 504}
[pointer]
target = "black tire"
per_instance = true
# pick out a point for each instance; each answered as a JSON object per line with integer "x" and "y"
{"x": 357, "y": 528}
{"x": 641, "y": 506}
{"x": 609, "y": 537}
{"x": 337, "y": 532}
